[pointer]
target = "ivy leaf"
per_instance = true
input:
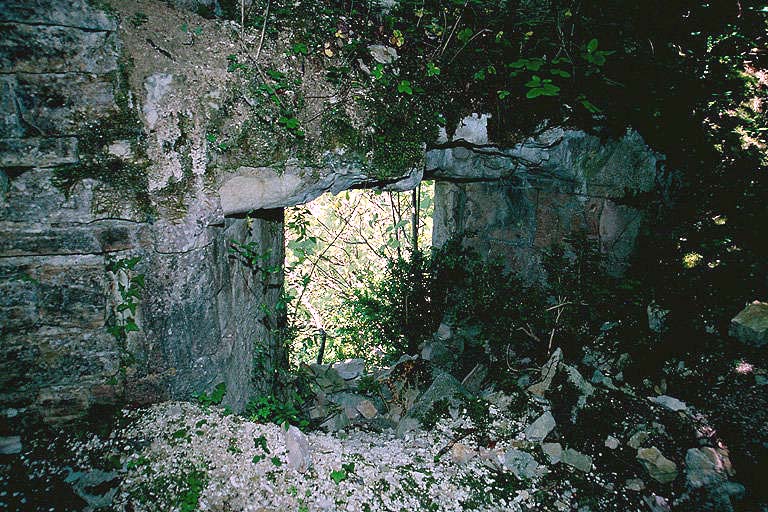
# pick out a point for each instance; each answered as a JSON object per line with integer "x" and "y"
{"x": 432, "y": 70}
{"x": 404, "y": 87}
{"x": 503, "y": 94}
{"x": 592, "y": 46}
{"x": 299, "y": 49}
{"x": 464, "y": 35}
{"x": 338, "y": 476}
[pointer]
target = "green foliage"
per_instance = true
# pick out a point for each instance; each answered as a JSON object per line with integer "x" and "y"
{"x": 216, "y": 396}
{"x": 280, "y": 411}
{"x": 189, "y": 499}
{"x": 129, "y": 285}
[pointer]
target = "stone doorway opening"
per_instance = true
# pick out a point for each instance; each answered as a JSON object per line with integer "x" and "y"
{"x": 339, "y": 250}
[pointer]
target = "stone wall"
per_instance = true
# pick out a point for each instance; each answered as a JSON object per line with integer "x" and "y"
{"x": 108, "y": 151}
{"x": 510, "y": 204}
{"x": 201, "y": 314}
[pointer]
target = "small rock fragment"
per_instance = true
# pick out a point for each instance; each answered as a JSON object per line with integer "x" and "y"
{"x": 554, "y": 451}
{"x": 383, "y": 54}
{"x": 637, "y": 439}
{"x": 658, "y": 467}
{"x": 520, "y": 463}
{"x": 10, "y": 445}
{"x": 349, "y": 369}
{"x": 297, "y": 446}
{"x": 461, "y": 453}
{"x": 577, "y": 460}
{"x": 634, "y": 484}
{"x": 751, "y": 324}
{"x": 548, "y": 372}
{"x": 668, "y": 402}
{"x": 367, "y": 409}
{"x": 539, "y": 429}
{"x": 611, "y": 442}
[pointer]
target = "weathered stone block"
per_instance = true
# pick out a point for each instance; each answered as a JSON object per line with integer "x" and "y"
{"x": 38, "y": 152}
{"x": 36, "y": 48}
{"x": 60, "y": 104}
{"x": 751, "y": 324}
{"x": 68, "y": 13}
{"x": 42, "y": 240}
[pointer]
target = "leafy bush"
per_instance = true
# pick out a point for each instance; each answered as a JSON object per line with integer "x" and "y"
{"x": 273, "y": 409}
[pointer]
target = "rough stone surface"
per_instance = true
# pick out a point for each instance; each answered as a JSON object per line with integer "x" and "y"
{"x": 668, "y": 402}
{"x": 540, "y": 429}
{"x": 554, "y": 451}
{"x": 548, "y": 372}
{"x": 10, "y": 445}
{"x": 297, "y": 446}
{"x": 554, "y": 184}
{"x": 577, "y": 460}
{"x": 751, "y": 324}
{"x": 521, "y": 464}
{"x": 658, "y": 467}
{"x": 349, "y": 369}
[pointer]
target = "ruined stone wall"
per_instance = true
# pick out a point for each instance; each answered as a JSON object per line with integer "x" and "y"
{"x": 511, "y": 204}
{"x": 108, "y": 151}
{"x": 72, "y": 200}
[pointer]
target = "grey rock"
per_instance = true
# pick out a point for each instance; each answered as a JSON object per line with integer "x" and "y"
{"x": 261, "y": 188}
{"x": 577, "y": 460}
{"x": 406, "y": 425}
{"x": 335, "y": 423}
{"x": 350, "y": 368}
{"x": 444, "y": 332}
{"x": 521, "y": 464}
{"x": 548, "y": 372}
{"x": 157, "y": 87}
{"x": 705, "y": 467}
{"x": 84, "y": 482}
{"x": 668, "y": 402}
{"x": 611, "y": 443}
{"x": 10, "y": 445}
{"x": 657, "y": 503}
{"x": 367, "y": 409}
{"x": 554, "y": 451}
{"x": 658, "y": 467}
{"x": 473, "y": 382}
{"x": 638, "y": 439}
{"x": 383, "y": 54}
{"x": 599, "y": 378}
{"x": 444, "y": 387}
{"x": 297, "y": 447}
{"x": 657, "y": 318}
{"x": 67, "y": 13}
{"x": 634, "y": 484}
{"x": 751, "y": 324}
{"x": 540, "y": 429}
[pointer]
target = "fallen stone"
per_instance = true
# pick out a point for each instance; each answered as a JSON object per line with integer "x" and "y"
{"x": 383, "y": 54}
{"x": 611, "y": 442}
{"x": 521, "y": 464}
{"x": 668, "y": 402}
{"x": 657, "y": 318}
{"x": 705, "y": 467}
{"x": 637, "y": 439}
{"x": 539, "y": 429}
{"x": 599, "y": 378}
{"x": 751, "y": 324}
{"x": 461, "y": 453}
{"x": 406, "y": 425}
{"x": 548, "y": 372}
{"x": 577, "y": 460}
{"x": 657, "y": 503}
{"x": 444, "y": 332}
{"x": 554, "y": 451}
{"x": 298, "y": 452}
{"x": 10, "y": 445}
{"x": 473, "y": 382}
{"x": 367, "y": 409}
{"x": 350, "y": 368}
{"x": 658, "y": 467}
{"x": 444, "y": 387}
{"x": 634, "y": 484}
